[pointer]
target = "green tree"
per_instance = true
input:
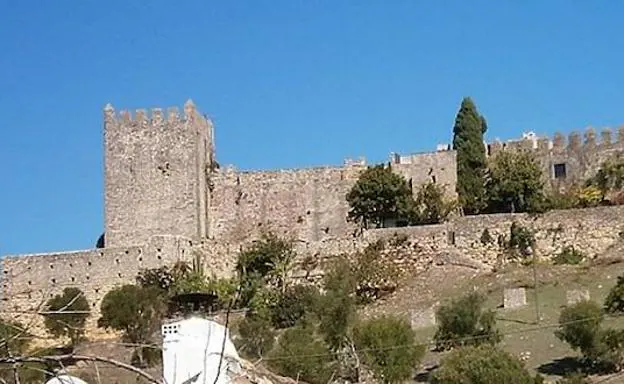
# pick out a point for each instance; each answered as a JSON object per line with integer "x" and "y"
{"x": 136, "y": 312}
{"x": 387, "y": 345}
{"x": 482, "y": 364}
{"x": 66, "y": 315}
{"x": 515, "y": 183}
{"x": 379, "y": 196}
{"x": 468, "y": 141}
{"x": 431, "y": 206}
{"x": 299, "y": 354}
{"x": 464, "y": 321}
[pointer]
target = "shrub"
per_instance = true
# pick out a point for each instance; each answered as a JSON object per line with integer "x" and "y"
{"x": 614, "y": 302}
{"x": 299, "y": 354}
{"x": 521, "y": 241}
{"x": 465, "y": 322}
{"x": 387, "y": 347}
{"x": 336, "y": 308}
{"x": 255, "y": 336}
{"x": 72, "y": 310}
{"x": 135, "y": 311}
{"x": 568, "y": 255}
{"x": 482, "y": 364}
{"x": 293, "y": 304}
{"x": 267, "y": 261}
{"x": 486, "y": 238}
{"x": 581, "y": 327}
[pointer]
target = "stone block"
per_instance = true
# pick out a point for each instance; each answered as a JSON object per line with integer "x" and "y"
{"x": 514, "y": 298}
{"x": 423, "y": 318}
{"x": 574, "y": 296}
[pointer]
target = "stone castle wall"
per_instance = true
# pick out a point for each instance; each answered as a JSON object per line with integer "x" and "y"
{"x": 155, "y": 174}
{"x": 30, "y": 281}
{"x": 306, "y": 204}
{"x": 577, "y": 157}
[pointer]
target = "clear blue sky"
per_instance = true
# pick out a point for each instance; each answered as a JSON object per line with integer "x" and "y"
{"x": 288, "y": 83}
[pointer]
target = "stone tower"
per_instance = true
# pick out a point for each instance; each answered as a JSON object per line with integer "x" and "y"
{"x": 156, "y": 169}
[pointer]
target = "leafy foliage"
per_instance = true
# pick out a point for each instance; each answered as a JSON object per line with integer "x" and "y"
{"x": 609, "y": 177}
{"x": 431, "y": 206}
{"x": 468, "y": 133}
{"x": 299, "y": 354}
{"x": 464, "y": 322}
{"x": 267, "y": 261}
{"x": 255, "y": 336}
{"x": 387, "y": 346}
{"x": 482, "y": 364}
{"x": 336, "y": 307}
{"x": 614, "y": 302}
{"x": 67, "y": 319}
{"x": 521, "y": 241}
{"x": 580, "y": 326}
{"x": 135, "y": 311}
{"x": 515, "y": 183}
{"x": 486, "y": 238}
{"x": 293, "y": 304}
{"x": 378, "y": 196}
{"x": 569, "y": 255}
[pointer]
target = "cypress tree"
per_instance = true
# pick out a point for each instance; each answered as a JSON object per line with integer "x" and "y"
{"x": 468, "y": 135}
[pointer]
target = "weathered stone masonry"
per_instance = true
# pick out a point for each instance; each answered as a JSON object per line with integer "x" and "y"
{"x": 166, "y": 199}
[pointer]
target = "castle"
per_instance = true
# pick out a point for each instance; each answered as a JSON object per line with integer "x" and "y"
{"x": 167, "y": 198}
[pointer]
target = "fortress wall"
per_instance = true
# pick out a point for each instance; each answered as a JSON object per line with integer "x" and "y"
{"x": 29, "y": 281}
{"x": 591, "y": 231}
{"x": 306, "y": 204}
{"x": 580, "y": 154}
{"x": 438, "y": 167}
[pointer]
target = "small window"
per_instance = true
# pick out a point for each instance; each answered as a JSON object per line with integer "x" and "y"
{"x": 560, "y": 171}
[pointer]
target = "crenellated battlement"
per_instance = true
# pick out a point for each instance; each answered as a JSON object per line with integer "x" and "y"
{"x": 575, "y": 141}
{"x": 153, "y": 116}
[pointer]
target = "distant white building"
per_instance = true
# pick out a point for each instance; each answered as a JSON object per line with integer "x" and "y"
{"x": 192, "y": 349}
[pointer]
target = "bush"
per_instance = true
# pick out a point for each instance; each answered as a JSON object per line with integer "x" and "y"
{"x": 266, "y": 262}
{"x": 136, "y": 312}
{"x": 68, "y": 321}
{"x": 482, "y": 364}
{"x": 465, "y": 322}
{"x": 293, "y": 304}
{"x": 614, "y": 302}
{"x": 387, "y": 347}
{"x": 336, "y": 308}
{"x": 568, "y": 255}
{"x": 521, "y": 241}
{"x": 299, "y": 354}
{"x": 255, "y": 336}
{"x": 581, "y": 327}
